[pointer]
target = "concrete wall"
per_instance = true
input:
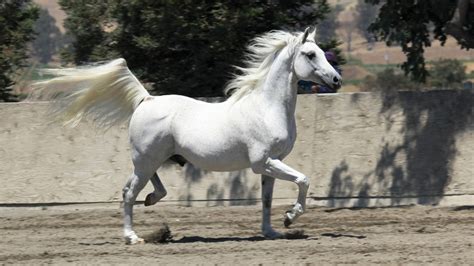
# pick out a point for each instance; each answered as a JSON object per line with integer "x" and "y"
{"x": 359, "y": 150}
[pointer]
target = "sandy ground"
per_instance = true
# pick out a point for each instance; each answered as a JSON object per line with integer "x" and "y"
{"x": 85, "y": 234}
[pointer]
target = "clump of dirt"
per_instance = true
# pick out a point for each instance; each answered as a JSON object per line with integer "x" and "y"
{"x": 161, "y": 236}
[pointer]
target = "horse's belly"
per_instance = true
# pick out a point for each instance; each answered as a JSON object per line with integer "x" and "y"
{"x": 219, "y": 165}
{"x": 223, "y": 163}
{"x": 215, "y": 155}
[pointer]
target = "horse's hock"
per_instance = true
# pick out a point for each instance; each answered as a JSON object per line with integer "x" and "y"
{"x": 359, "y": 150}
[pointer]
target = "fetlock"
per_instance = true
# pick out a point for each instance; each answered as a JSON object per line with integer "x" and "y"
{"x": 293, "y": 214}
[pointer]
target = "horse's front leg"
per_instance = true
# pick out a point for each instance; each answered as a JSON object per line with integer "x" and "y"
{"x": 268, "y": 183}
{"x": 277, "y": 169}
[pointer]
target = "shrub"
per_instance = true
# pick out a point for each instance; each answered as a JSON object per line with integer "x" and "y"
{"x": 447, "y": 73}
{"x": 388, "y": 79}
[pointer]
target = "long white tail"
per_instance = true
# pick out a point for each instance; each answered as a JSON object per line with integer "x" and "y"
{"x": 106, "y": 94}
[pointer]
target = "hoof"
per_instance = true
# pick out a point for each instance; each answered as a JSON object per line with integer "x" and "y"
{"x": 291, "y": 215}
{"x": 134, "y": 241}
{"x": 137, "y": 241}
{"x": 272, "y": 235}
{"x": 149, "y": 200}
{"x": 152, "y": 198}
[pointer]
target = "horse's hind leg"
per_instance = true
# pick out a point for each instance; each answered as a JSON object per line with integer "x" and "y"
{"x": 135, "y": 184}
{"x": 158, "y": 193}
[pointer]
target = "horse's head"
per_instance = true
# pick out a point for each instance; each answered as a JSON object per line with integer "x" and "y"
{"x": 311, "y": 64}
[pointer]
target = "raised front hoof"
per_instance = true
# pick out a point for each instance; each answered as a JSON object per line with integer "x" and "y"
{"x": 293, "y": 214}
{"x": 153, "y": 198}
{"x": 150, "y": 199}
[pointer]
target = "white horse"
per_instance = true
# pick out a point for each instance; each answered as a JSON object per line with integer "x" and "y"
{"x": 254, "y": 128}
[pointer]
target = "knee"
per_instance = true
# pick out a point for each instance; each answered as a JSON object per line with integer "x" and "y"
{"x": 127, "y": 195}
{"x": 303, "y": 181}
{"x": 124, "y": 192}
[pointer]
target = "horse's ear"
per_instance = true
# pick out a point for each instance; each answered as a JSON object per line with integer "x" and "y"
{"x": 305, "y": 35}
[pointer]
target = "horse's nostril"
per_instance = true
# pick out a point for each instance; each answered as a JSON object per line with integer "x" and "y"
{"x": 335, "y": 79}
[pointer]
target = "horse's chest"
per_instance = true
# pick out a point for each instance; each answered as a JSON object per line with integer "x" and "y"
{"x": 282, "y": 141}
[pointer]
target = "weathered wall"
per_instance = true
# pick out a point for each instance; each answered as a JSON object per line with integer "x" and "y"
{"x": 359, "y": 150}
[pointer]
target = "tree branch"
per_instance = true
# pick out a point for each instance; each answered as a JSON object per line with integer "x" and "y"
{"x": 456, "y": 27}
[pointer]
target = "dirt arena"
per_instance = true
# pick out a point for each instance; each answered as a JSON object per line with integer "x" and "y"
{"x": 91, "y": 234}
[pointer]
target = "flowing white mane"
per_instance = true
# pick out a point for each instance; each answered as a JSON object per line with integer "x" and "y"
{"x": 261, "y": 53}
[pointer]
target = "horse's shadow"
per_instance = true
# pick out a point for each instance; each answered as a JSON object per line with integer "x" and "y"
{"x": 194, "y": 239}
{"x": 164, "y": 235}
{"x": 290, "y": 235}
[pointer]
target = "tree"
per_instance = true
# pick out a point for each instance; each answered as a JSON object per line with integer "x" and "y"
{"x": 412, "y": 24}
{"x": 388, "y": 80}
{"x": 48, "y": 37}
{"x": 366, "y": 14}
{"x": 444, "y": 73}
{"x": 16, "y": 30}
{"x": 184, "y": 47}
{"x": 85, "y": 26}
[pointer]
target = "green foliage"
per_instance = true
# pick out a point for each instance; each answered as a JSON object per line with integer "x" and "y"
{"x": 16, "y": 30}
{"x": 413, "y": 24}
{"x": 447, "y": 73}
{"x": 84, "y": 23}
{"x": 443, "y": 74}
{"x": 470, "y": 75}
{"x": 184, "y": 47}
{"x": 388, "y": 80}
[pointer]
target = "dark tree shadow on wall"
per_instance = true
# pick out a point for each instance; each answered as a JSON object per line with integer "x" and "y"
{"x": 240, "y": 189}
{"x": 241, "y": 192}
{"x": 343, "y": 188}
{"x": 192, "y": 175}
{"x": 432, "y": 121}
{"x": 215, "y": 195}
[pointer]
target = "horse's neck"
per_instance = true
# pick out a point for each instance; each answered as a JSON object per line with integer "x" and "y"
{"x": 279, "y": 88}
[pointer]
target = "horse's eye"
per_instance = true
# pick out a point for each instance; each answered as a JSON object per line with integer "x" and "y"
{"x": 310, "y": 56}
